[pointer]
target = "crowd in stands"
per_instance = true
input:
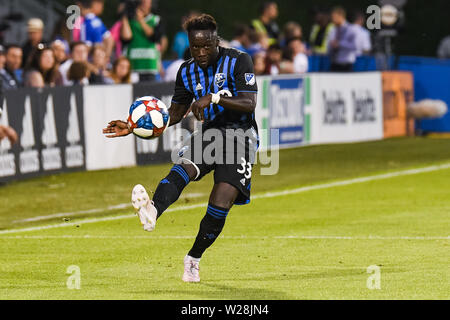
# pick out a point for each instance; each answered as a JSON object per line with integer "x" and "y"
{"x": 131, "y": 50}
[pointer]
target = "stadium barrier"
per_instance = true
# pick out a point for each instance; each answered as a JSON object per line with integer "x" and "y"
{"x": 60, "y": 129}
{"x": 343, "y": 107}
{"x": 398, "y": 92}
{"x": 280, "y": 106}
{"x": 431, "y": 81}
{"x": 51, "y": 132}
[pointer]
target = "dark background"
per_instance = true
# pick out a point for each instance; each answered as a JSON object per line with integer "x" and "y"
{"x": 426, "y": 21}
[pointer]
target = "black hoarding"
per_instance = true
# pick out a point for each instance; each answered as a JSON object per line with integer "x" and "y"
{"x": 49, "y": 123}
{"x": 158, "y": 150}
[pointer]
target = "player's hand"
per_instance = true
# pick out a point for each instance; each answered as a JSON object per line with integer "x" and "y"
{"x": 198, "y": 106}
{"x": 116, "y": 128}
{"x": 8, "y": 132}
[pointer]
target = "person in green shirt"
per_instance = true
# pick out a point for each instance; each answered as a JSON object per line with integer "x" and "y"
{"x": 266, "y": 25}
{"x": 145, "y": 40}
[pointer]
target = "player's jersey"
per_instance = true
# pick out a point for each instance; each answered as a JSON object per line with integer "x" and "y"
{"x": 232, "y": 71}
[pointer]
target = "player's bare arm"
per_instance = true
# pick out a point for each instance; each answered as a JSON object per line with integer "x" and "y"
{"x": 120, "y": 128}
{"x": 177, "y": 112}
{"x": 8, "y": 132}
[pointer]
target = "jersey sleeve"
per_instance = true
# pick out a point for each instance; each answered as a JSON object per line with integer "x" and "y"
{"x": 244, "y": 74}
{"x": 182, "y": 95}
{"x": 105, "y": 33}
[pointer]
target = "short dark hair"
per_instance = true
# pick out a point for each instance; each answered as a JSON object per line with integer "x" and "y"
{"x": 76, "y": 44}
{"x": 240, "y": 29}
{"x": 265, "y": 5}
{"x": 88, "y": 3}
{"x": 274, "y": 46}
{"x": 357, "y": 14}
{"x": 77, "y": 71}
{"x": 12, "y": 46}
{"x": 201, "y": 22}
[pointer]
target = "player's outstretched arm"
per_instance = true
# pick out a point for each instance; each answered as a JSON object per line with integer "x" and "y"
{"x": 8, "y": 132}
{"x": 119, "y": 128}
{"x": 116, "y": 128}
{"x": 177, "y": 112}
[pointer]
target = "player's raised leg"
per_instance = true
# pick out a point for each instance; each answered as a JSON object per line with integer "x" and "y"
{"x": 221, "y": 200}
{"x": 168, "y": 191}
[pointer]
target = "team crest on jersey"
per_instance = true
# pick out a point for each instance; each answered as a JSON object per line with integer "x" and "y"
{"x": 250, "y": 79}
{"x": 219, "y": 79}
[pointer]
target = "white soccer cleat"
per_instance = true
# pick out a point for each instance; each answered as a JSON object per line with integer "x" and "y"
{"x": 144, "y": 207}
{"x": 191, "y": 270}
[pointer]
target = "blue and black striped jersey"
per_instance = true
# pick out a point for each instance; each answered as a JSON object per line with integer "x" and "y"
{"x": 232, "y": 71}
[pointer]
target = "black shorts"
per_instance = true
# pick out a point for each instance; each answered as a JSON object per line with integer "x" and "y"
{"x": 229, "y": 152}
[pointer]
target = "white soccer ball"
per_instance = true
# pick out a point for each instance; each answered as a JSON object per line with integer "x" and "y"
{"x": 148, "y": 117}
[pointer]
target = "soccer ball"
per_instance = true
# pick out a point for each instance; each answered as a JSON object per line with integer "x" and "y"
{"x": 148, "y": 117}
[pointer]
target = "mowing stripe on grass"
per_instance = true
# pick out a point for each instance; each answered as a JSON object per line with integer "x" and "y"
{"x": 257, "y": 196}
{"x": 286, "y": 237}
{"x": 92, "y": 211}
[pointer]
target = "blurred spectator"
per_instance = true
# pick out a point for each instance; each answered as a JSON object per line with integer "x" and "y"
{"x": 115, "y": 32}
{"x": 42, "y": 69}
{"x": 320, "y": 32}
{"x": 172, "y": 70}
{"x": 59, "y": 49}
{"x": 255, "y": 42}
{"x": 35, "y": 29}
{"x": 274, "y": 59}
{"x": 266, "y": 24}
{"x": 144, "y": 34}
{"x": 62, "y": 33}
{"x": 121, "y": 71}
{"x": 259, "y": 62}
{"x": 79, "y": 73}
{"x": 79, "y": 53}
{"x": 181, "y": 40}
{"x": 298, "y": 55}
{"x": 443, "y": 51}
{"x": 241, "y": 39}
{"x": 2, "y": 57}
{"x": 8, "y": 132}
{"x": 363, "y": 41}
{"x": 93, "y": 31}
{"x": 291, "y": 30}
{"x": 13, "y": 61}
{"x": 342, "y": 46}
{"x": 99, "y": 72}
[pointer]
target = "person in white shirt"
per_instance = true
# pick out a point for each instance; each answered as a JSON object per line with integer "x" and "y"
{"x": 79, "y": 53}
{"x": 342, "y": 42}
{"x": 299, "y": 58}
{"x": 443, "y": 51}
{"x": 363, "y": 41}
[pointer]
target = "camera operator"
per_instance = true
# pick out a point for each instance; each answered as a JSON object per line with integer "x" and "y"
{"x": 143, "y": 33}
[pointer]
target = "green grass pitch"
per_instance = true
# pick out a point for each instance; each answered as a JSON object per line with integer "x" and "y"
{"x": 315, "y": 244}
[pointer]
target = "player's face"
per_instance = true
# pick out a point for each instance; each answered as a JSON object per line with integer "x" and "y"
{"x": 204, "y": 47}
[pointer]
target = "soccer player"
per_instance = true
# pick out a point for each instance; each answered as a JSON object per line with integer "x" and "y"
{"x": 223, "y": 84}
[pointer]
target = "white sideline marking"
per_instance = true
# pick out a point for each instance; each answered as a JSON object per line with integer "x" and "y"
{"x": 69, "y": 214}
{"x": 313, "y": 237}
{"x": 257, "y": 196}
{"x": 91, "y": 211}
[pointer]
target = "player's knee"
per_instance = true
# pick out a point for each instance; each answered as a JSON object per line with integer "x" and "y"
{"x": 223, "y": 195}
{"x": 190, "y": 169}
